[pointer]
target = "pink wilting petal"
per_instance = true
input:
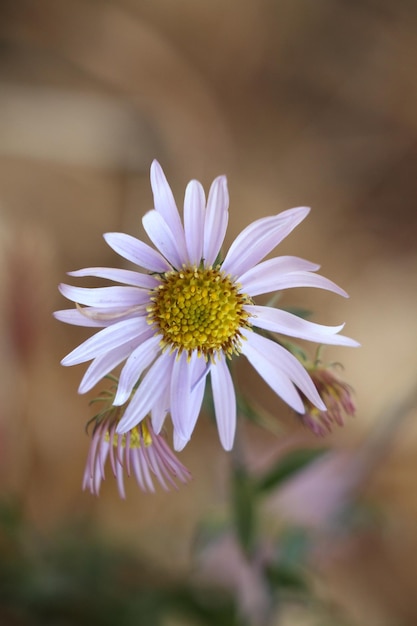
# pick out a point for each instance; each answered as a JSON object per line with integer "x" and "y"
{"x": 140, "y": 451}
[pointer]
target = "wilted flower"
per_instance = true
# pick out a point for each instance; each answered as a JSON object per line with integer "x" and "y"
{"x": 140, "y": 452}
{"x": 181, "y": 320}
{"x": 336, "y": 395}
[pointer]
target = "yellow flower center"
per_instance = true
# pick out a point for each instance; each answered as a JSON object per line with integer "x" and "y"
{"x": 199, "y": 309}
{"x": 139, "y": 436}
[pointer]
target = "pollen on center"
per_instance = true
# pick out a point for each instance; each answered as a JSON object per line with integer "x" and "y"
{"x": 199, "y": 309}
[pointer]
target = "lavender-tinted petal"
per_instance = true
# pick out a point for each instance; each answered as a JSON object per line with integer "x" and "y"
{"x": 164, "y": 239}
{"x": 179, "y": 442}
{"x": 259, "y": 238}
{"x": 160, "y": 410}
{"x": 186, "y": 395}
{"x": 279, "y": 321}
{"x": 268, "y": 283}
{"x": 135, "y": 365}
{"x": 150, "y": 389}
{"x": 109, "y": 338}
{"x": 281, "y": 370}
{"x": 137, "y": 252}
{"x": 105, "y": 296}
{"x": 224, "y": 402}
{"x": 194, "y": 210}
{"x": 164, "y": 202}
{"x": 137, "y": 469}
{"x": 128, "y": 277}
{"x": 103, "y": 364}
{"x": 75, "y": 317}
{"x": 120, "y": 479}
{"x": 157, "y": 466}
{"x": 273, "y": 269}
{"x": 145, "y": 471}
{"x": 216, "y": 219}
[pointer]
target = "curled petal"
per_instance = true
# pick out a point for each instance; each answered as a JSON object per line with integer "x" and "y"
{"x": 128, "y": 277}
{"x": 76, "y": 317}
{"x": 105, "y": 296}
{"x": 279, "y": 321}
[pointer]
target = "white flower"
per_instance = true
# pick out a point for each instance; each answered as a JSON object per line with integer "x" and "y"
{"x": 179, "y": 321}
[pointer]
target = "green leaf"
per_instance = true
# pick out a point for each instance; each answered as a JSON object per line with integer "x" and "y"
{"x": 284, "y": 578}
{"x": 287, "y": 466}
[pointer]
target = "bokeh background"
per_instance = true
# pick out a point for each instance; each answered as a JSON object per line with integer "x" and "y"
{"x": 306, "y": 102}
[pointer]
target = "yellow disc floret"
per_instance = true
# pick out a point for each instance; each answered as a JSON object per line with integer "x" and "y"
{"x": 136, "y": 438}
{"x": 199, "y": 309}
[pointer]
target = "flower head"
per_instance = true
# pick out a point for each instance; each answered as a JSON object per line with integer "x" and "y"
{"x": 178, "y": 322}
{"x": 140, "y": 451}
{"x": 336, "y": 395}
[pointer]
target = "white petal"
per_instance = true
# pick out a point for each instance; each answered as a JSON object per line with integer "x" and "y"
{"x": 75, "y": 317}
{"x": 135, "y": 365}
{"x": 279, "y": 321}
{"x": 259, "y": 238}
{"x": 114, "y": 336}
{"x": 268, "y": 283}
{"x": 186, "y": 393}
{"x": 216, "y": 220}
{"x": 160, "y": 410}
{"x": 105, "y": 296}
{"x": 104, "y": 364}
{"x": 224, "y": 402}
{"x": 164, "y": 239}
{"x": 194, "y": 210}
{"x": 127, "y": 277}
{"x": 262, "y": 275}
{"x": 281, "y": 370}
{"x": 164, "y": 202}
{"x": 137, "y": 252}
{"x": 147, "y": 394}
{"x": 179, "y": 442}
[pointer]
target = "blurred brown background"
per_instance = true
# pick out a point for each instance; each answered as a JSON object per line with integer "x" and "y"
{"x": 298, "y": 102}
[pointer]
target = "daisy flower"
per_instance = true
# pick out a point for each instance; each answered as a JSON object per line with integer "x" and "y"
{"x": 140, "y": 452}
{"x": 177, "y": 320}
